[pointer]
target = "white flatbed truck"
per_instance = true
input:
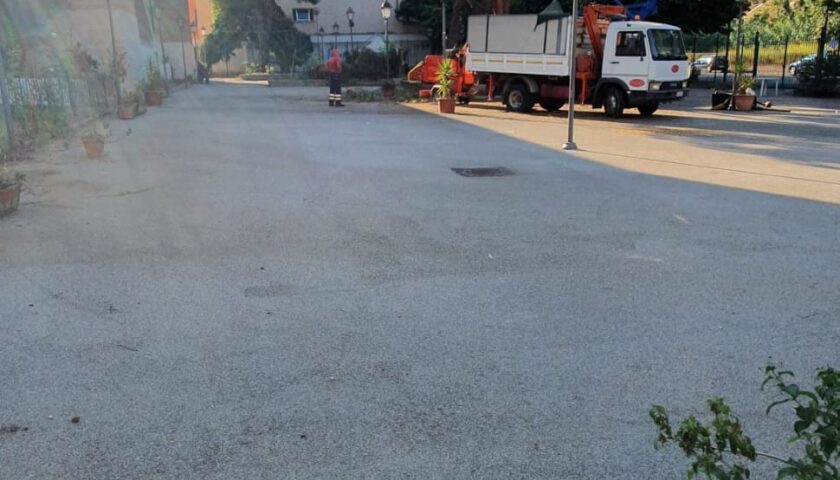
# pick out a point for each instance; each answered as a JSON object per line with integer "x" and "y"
{"x": 621, "y": 64}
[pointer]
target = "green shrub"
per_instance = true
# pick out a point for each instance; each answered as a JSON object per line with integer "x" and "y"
{"x": 720, "y": 449}
{"x": 154, "y": 80}
{"x": 366, "y": 64}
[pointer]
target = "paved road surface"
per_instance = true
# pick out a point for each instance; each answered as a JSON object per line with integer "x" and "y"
{"x": 253, "y": 286}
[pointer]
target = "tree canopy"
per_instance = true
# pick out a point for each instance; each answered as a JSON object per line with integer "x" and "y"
{"x": 798, "y": 19}
{"x": 263, "y": 25}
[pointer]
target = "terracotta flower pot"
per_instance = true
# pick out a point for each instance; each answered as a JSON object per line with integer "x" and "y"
{"x": 127, "y": 112}
{"x": 447, "y": 105}
{"x": 94, "y": 146}
{"x": 154, "y": 98}
{"x": 9, "y": 199}
{"x": 743, "y": 103}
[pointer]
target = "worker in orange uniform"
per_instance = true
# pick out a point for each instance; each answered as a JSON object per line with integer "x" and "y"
{"x": 334, "y": 69}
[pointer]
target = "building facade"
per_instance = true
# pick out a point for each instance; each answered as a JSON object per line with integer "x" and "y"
{"x": 319, "y": 22}
{"x": 328, "y": 25}
{"x": 141, "y": 30}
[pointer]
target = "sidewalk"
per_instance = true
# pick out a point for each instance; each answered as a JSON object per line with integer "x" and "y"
{"x": 791, "y": 154}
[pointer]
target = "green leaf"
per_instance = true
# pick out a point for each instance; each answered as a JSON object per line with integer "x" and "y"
{"x": 800, "y": 426}
{"x": 792, "y": 390}
{"x": 775, "y": 404}
{"x": 806, "y": 413}
{"x": 787, "y": 472}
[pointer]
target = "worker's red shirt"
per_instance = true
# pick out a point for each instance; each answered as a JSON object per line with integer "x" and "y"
{"x": 334, "y": 63}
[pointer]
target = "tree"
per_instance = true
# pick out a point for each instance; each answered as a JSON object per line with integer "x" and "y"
{"x": 697, "y": 16}
{"x": 261, "y": 23}
{"x": 799, "y": 20}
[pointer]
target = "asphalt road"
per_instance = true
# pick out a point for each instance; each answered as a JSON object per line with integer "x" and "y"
{"x": 253, "y": 285}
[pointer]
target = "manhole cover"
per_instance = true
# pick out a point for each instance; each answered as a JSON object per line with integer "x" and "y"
{"x": 483, "y": 172}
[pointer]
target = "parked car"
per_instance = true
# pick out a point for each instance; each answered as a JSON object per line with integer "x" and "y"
{"x": 796, "y": 66}
{"x": 711, "y": 63}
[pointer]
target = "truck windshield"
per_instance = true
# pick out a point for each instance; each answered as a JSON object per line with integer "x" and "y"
{"x": 667, "y": 45}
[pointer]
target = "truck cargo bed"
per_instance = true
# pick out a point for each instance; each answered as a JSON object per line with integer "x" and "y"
{"x": 533, "y": 64}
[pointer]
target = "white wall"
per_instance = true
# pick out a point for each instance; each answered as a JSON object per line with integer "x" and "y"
{"x": 91, "y": 28}
{"x": 176, "y": 60}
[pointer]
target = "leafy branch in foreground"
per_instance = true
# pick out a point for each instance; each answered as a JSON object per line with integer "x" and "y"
{"x": 720, "y": 450}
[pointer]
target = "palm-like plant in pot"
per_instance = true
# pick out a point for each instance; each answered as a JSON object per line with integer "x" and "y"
{"x": 743, "y": 95}
{"x": 445, "y": 73}
{"x": 153, "y": 86}
{"x": 130, "y": 106}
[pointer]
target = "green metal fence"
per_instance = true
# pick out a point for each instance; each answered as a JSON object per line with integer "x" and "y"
{"x": 764, "y": 57}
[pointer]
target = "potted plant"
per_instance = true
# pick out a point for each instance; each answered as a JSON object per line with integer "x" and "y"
{"x": 154, "y": 85}
{"x": 10, "y": 183}
{"x": 743, "y": 97}
{"x": 94, "y": 141}
{"x": 129, "y": 106}
{"x": 388, "y": 88}
{"x": 445, "y": 72}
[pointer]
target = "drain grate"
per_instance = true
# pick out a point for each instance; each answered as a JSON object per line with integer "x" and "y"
{"x": 483, "y": 172}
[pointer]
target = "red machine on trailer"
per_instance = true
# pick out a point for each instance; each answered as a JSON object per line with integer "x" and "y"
{"x": 426, "y": 72}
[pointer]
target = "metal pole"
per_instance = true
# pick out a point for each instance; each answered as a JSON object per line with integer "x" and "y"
{"x": 184, "y": 57}
{"x": 114, "y": 56}
{"x": 784, "y": 59}
{"x": 726, "y": 65}
{"x": 738, "y": 42}
{"x": 159, "y": 12}
{"x": 572, "y": 49}
{"x": 443, "y": 28}
{"x": 7, "y": 103}
{"x": 387, "y": 52}
{"x": 694, "y": 48}
{"x": 352, "y": 46}
{"x": 821, "y": 45}
{"x": 717, "y": 50}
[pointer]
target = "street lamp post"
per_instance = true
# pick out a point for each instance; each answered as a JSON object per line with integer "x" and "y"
{"x": 350, "y": 14}
{"x": 442, "y": 28}
{"x": 335, "y": 34}
{"x": 321, "y": 34}
{"x": 572, "y": 45}
{"x": 385, "y": 8}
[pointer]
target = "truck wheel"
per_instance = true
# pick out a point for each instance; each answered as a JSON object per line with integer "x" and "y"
{"x": 614, "y": 102}
{"x": 519, "y": 99}
{"x": 647, "y": 110}
{"x": 551, "y": 104}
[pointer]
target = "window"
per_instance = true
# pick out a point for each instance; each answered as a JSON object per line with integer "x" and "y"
{"x": 630, "y": 44}
{"x": 302, "y": 15}
{"x": 667, "y": 45}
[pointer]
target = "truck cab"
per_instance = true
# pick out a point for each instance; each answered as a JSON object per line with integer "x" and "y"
{"x": 644, "y": 64}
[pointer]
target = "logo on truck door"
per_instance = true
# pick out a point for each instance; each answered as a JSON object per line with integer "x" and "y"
{"x": 675, "y": 68}
{"x": 637, "y": 82}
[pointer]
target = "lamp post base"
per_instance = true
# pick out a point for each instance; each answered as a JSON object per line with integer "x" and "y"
{"x": 569, "y": 146}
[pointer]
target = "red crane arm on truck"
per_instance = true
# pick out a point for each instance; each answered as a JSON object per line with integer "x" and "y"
{"x": 591, "y": 14}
